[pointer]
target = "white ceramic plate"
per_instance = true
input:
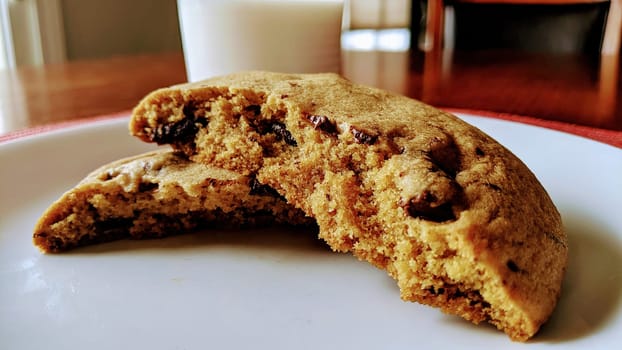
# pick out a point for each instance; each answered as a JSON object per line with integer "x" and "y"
{"x": 274, "y": 288}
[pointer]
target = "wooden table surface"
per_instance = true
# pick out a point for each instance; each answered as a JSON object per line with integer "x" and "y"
{"x": 573, "y": 89}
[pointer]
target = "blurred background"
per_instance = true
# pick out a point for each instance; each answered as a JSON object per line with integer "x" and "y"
{"x": 554, "y": 59}
{"x": 47, "y": 31}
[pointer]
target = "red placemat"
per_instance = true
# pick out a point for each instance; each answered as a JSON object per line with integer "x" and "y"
{"x": 610, "y": 137}
{"x": 61, "y": 125}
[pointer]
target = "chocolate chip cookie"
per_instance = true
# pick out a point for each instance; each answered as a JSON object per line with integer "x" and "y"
{"x": 457, "y": 219}
{"x": 157, "y": 194}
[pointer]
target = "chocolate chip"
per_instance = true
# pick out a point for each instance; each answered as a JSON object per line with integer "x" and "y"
{"x": 393, "y": 141}
{"x": 255, "y": 109}
{"x": 181, "y": 131}
{"x": 56, "y": 244}
{"x": 512, "y": 266}
{"x": 363, "y": 137}
{"x": 147, "y": 186}
{"x": 282, "y": 133}
{"x": 109, "y": 175}
{"x": 201, "y": 121}
{"x": 274, "y": 127}
{"x": 184, "y": 130}
{"x": 322, "y": 122}
{"x": 475, "y": 302}
{"x": 479, "y": 152}
{"x": 194, "y": 110}
{"x": 458, "y": 293}
{"x": 427, "y": 197}
{"x": 259, "y": 189}
{"x": 445, "y": 155}
{"x": 188, "y": 110}
{"x": 426, "y": 206}
{"x": 434, "y": 291}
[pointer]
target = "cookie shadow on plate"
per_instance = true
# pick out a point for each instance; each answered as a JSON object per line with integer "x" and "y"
{"x": 592, "y": 288}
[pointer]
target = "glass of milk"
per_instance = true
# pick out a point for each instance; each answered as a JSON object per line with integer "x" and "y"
{"x": 290, "y": 36}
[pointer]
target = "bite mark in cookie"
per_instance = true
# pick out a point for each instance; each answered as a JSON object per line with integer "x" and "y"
{"x": 415, "y": 191}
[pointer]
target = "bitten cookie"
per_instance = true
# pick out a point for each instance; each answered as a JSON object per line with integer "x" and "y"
{"x": 157, "y": 194}
{"x": 458, "y": 220}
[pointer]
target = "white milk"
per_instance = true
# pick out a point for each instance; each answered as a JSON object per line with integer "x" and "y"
{"x": 292, "y": 36}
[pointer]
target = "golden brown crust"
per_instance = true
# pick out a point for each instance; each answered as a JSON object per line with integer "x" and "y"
{"x": 154, "y": 195}
{"x": 458, "y": 220}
